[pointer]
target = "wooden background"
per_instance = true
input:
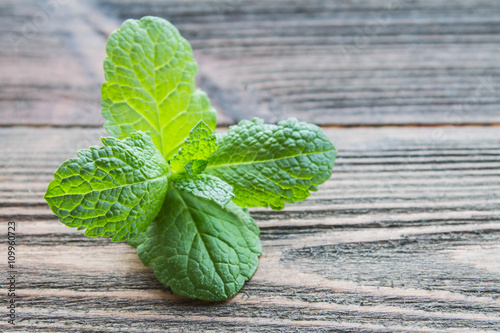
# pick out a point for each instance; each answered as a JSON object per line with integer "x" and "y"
{"x": 405, "y": 236}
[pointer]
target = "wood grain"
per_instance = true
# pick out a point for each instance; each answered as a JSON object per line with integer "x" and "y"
{"x": 347, "y": 63}
{"x": 51, "y": 63}
{"x": 404, "y": 238}
{"x": 359, "y": 63}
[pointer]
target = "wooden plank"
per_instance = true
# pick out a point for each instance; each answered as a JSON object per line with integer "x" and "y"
{"x": 51, "y": 64}
{"x": 403, "y": 238}
{"x": 318, "y": 61}
{"x": 345, "y": 63}
{"x": 51, "y": 56}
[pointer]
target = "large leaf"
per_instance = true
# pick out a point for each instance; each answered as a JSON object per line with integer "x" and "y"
{"x": 270, "y": 165}
{"x": 199, "y": 249}
{"x": 115, "y": 190}
{"x": 150, "y": 84}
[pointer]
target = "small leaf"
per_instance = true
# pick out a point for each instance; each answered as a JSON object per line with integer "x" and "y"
{"x": 150, "y": 84}
{"x": 208, "y": 187}
{"x": 270, "y": 165}
{"x": 115, "y": 190}
{"x": 199, "y": 249}
{"x": 198, "y": 147}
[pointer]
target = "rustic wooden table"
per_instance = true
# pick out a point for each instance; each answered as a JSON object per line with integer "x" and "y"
{"x": 405, "y": 237}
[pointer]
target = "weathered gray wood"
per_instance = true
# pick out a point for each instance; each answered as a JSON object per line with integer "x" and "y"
{"x": 51, "y": 56}
{"x": 347, "y": 63}
{"x": 362, "y": 62}
{"x": 404, "y": 238}
{"x": 51, "y": 63}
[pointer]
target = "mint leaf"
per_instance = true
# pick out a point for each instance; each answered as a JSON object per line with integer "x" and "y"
{"x": 270, "y": 165}
{"x": 198, "y": 147}
{"x": 150, "y": 84}
{"x": 199, "y": 249}
{"x": 168, "y": 191}
{"x": 208, "y": 187}
{"x": 115, "y": 190}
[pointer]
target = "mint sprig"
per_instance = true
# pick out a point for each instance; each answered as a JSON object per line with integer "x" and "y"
{"x": 166, "y": 184}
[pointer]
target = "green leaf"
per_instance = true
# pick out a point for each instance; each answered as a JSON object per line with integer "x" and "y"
{"x": 199, "y": 249}
{"x": 115, "y": 190}
{"x": 137, "y": 240}
{"x": 208, "y": 187}
{"x": 198, "y": 147}
{"x": 150, "y": 84}
{"x": 270, "y": 165}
